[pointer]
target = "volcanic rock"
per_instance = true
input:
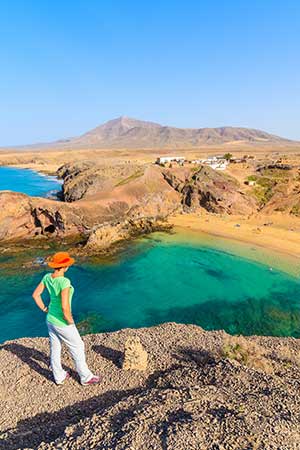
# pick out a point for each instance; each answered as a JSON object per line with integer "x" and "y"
{"x": 214, "y": 191}
{"x": 24, "y": 217}
{"x": 84, "y": 179}
{"x": 135, "y": 205}
{"x": 107, "y": 234}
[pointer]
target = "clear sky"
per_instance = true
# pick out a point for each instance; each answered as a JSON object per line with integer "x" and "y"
{"x": 69, "y": 65}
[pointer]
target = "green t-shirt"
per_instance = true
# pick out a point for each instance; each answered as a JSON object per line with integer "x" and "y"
{"x": 55, "y": 286}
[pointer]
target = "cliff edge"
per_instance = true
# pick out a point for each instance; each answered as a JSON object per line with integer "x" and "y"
{"x": 200, "y": 390}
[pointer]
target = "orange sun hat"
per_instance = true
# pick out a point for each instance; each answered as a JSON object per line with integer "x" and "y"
{"x": 60, "y": 259}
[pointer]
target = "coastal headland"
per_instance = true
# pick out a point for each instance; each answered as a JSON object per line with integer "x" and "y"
{"x": 112, "y": 195}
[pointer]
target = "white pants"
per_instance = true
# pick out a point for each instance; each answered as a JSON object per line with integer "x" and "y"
{"x": 70, "y": 336}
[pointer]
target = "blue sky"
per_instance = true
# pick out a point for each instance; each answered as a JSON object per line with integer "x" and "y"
{"x": 69, "y": 65}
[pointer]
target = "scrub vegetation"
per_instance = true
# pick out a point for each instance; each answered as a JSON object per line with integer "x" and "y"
{"x": 246, "y": 352}
{"x": 132, "y": 177}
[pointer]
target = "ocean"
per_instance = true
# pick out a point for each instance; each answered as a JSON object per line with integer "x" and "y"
{"x": 28, "y": 182}
{"x": 156, "y": 280}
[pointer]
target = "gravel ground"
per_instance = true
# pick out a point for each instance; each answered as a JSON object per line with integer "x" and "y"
{"x": 189, "y": 398}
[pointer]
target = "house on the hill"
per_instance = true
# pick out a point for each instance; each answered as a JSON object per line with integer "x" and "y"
{"x": 170, "y": 159}
{"x": 215, "y": 162}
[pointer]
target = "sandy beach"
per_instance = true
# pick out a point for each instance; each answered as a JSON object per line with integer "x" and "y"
{"x": 271, "y": 239}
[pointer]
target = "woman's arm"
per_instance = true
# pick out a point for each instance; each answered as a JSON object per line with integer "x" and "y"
{"x": 65, "y": 304}
{"x": 37, "y": 297}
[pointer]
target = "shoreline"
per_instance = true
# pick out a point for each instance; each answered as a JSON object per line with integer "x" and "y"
{"x": 34, "y": 168}
{"x": 48, "y": 176}
{"x": 41, "y": 169}
{"x": 276, "y": 233}
{"x": 195, "y": 230}
{"x": 275, "y": 245}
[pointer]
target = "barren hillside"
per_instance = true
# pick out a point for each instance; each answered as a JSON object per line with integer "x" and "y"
{"x": 125, "y": 132}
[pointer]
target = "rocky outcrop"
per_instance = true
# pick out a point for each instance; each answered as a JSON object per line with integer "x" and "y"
{"x": 273, "y": 166}
{"x": 209, "y": 189}
{"x": 74, "y": 188}
{"x": 108, "y": 234}
{"x": 85, "y": 179}
{"x": 191, "y": 394}
{"x": 135, "y": 206}
{"x": 15, "y": 215}
{"x": 277, "y": 189}
{"x": 106, "y": 205}
{"x": 24, "y": 217}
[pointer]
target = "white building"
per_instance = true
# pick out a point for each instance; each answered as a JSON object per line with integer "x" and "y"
{"x": 170, "y": 159}
{"x": 215, "y": 162}
{"x": 221, "y": 164}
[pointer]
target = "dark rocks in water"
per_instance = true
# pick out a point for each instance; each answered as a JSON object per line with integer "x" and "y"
{"x": 108, "y": 234}
{"x": 55, "y": 195}
{"x": 94, "y": 323}
{"x": 40, "y": 261}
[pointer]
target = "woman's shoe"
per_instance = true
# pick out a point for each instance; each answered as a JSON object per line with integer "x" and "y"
{"x": 93, "y": 380}
{"x": 66, "y": 378}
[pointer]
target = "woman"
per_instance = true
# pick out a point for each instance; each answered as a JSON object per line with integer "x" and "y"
{"x": 60, "y": 321}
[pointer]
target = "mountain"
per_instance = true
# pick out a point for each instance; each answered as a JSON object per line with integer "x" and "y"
{"x": 132, "y": 133}
{"x": 125, "y": 132}
{"x": 122, "y": 128}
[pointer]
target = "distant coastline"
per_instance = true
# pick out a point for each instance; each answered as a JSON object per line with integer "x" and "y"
{"x": 30, "y": 181}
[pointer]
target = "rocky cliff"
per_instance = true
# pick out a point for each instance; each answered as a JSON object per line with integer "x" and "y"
{"x": 86, "y": 178}
{"x": 211, "y": 190}
{"x": 104, "y": 204}
{"x": 200, "y": 390}
{"x": 136, "y": 203}
{"x": 24, "y": 217}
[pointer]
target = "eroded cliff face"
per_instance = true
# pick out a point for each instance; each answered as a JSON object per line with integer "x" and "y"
{"x": 131, "y": 203}
{"x": 106, "y": 205}
{"x": 214, "y": 191}
{"x": 23, "y": 217}
{"x": 84, "y": 179}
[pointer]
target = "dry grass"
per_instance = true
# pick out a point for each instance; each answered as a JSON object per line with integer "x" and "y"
{"x": 246, "y": 352}
{"x": 134, "y": 176}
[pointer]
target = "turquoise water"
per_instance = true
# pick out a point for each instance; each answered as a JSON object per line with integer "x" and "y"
{"x": 28, "y": 182}
{"x": 154, "y": 282}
